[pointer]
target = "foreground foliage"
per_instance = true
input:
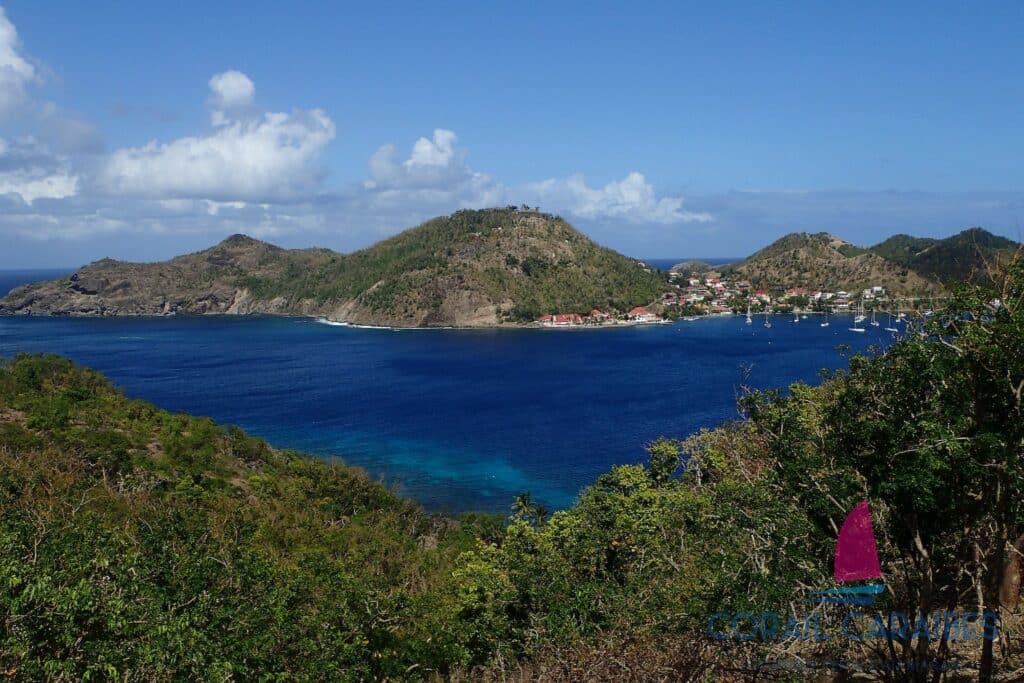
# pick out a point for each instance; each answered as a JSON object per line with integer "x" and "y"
{"x": 139, "y": 544}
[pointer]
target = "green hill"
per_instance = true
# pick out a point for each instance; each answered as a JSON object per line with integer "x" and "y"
{"x": 969, "y": 254}
{"x": 472, "y": 268}
{"x": 825, "y": 262}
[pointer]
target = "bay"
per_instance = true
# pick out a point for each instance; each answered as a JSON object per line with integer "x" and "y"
{"x": 458, "y": 419}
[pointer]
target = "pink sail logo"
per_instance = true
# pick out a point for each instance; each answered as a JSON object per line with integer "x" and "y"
{"x": 856, "y": 559}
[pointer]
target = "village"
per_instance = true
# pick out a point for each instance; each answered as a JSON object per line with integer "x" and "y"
{"x": 688, "y": 298}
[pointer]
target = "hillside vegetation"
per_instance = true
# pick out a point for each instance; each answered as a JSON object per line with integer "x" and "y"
{"x": 971, "y": 254}
{"x": 825, "y": 262}
{"x": 471, "y": 268}
{"x": 144, "y": 545}
{"x": 903, "y": 264}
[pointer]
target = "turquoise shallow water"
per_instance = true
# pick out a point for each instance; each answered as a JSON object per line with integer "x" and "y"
{"x": 457, "y": 419}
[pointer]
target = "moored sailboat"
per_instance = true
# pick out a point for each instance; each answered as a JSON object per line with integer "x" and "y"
{"x": 857, "y": 321}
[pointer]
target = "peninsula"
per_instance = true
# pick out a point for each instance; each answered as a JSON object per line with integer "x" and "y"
{"x": 471, "y": 269}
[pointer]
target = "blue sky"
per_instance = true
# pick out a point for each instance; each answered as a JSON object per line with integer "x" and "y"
{"x": 662, "y": 130}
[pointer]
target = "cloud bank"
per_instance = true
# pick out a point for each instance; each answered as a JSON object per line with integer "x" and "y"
{"x": 263, "y": 171}
{"x": 260, "y": 158}
{"x": 254, "y": 170}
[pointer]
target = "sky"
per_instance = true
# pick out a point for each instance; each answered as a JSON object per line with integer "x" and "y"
{"x": 664, "y": 130}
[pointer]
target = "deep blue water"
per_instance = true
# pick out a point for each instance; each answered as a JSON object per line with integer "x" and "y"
{"x": 457, "y": 419}
{"x": 9, "y": 279}
{"x": 667, "y": 263}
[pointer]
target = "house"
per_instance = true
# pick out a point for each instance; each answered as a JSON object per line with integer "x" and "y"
{"x": 642, "y": 315}
{"x": 597, "y": 316}
{"x": 560, "y": 319}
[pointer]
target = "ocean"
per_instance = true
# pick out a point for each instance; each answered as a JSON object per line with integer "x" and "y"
{"x": 457, "y": 419}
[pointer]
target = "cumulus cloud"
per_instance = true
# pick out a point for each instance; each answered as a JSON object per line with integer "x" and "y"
{"x": 436, "y": 170}
{"x": 15, "y": 71}
{"x": 274, "y": 156}
{"x": 231, "y": 94}
{"x": 432, "y": 163}
{"x": 30, "y": 171}
{"x": 631, "y": 199}
{"x": 252, "y": 171}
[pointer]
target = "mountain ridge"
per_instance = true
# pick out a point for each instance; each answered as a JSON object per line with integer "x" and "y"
{"x": 902, "y": 263}
{"x": 473, "y": 268}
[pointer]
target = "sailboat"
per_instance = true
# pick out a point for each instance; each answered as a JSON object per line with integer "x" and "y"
{"x": 874, "y": 323}
{"x": 860, "y": 314}
{"x": 892, "y": 325}
{"x": 749, "y": 319}
{"x": 767, "y": 322}
{"x": 825, "y": 324}
{"x": 796, "y": 316}
{"x": 857, "y": 321}
{"x": 856, "y": 560}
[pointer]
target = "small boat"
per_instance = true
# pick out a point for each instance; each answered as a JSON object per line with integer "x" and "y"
{"x": 796, "y": 316}
{"x": 749, "y": 319}
{"x": 803, "y": 317}
{"x": 874, "y": 323}
{"x": 825, "y": 323}
{"x": 858, "y": 320}
{"x": 767, "y": 322}
{"x": 891, "y": 327}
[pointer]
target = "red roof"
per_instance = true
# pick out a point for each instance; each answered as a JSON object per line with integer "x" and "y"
{"x": 596, "y": 312}
{"x": 639, "y": 310}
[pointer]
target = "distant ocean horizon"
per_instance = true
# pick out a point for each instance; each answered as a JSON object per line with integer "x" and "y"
{"x": 9, "y": 279}
{"x": 667, "y": 263}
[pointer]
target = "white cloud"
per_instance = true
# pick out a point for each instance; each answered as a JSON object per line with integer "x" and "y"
{"x": 30, "y": 185}
{"x": 253, "y": 171}
{"x": 632, "y": 199}
{"x": 436, "y": 173}
{"x": 231, "y": 94}
{"x": 433, "y": 163}
{"x": 270, "y": 157}
{"x": 30, "y": 171}
{"x": 15, "y": 71}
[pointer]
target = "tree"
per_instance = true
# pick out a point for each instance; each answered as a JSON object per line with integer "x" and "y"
{"x": 932, "y": 433}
